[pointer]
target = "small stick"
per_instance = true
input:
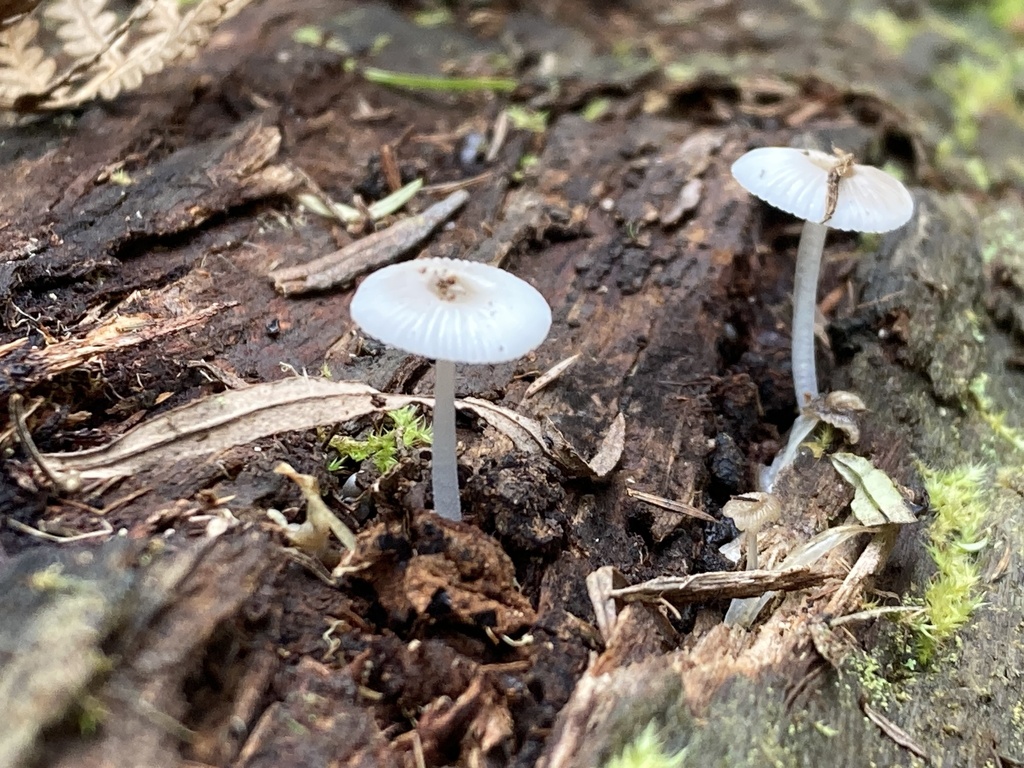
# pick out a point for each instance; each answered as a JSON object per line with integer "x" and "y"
{"x": 106, "y": 530}
{"x": 389, "y": 165}
{"x": 371, "y": 252}
{"x": 550, "y": 375}
{"x": 66, "y": 483}
{"x": 671, "y": 505}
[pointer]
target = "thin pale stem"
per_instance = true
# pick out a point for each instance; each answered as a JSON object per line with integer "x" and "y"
{"x": 444, "y": 466}
{"x": 801, "y": 429}
{"x": 805, "y": 301}
{"x": 751, "y": 537}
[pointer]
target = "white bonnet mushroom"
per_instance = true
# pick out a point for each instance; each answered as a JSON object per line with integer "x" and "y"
{"x": 796, "y": 181}
{"x": 449, "y": 309}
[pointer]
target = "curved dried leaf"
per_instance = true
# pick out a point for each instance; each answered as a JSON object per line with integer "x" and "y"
{"x": 241, "y": 416}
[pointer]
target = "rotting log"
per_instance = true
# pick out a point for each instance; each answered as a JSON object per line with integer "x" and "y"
{"x": 680, "y": 321}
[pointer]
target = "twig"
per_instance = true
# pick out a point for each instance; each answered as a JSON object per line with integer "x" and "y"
{"x": 670, "y": 504}
{"x": 345, "y": 265}
{"x": 700, "y": 587}
{"x": 106, "y": 530}
{"x": 100, "y": 511}
{"x": 874, "y": 613}
{"x": 893, "y": 731}
{"x": 66, "y": 482}
{"x": 454, "y": 186}
{"x": 550, "y": 375}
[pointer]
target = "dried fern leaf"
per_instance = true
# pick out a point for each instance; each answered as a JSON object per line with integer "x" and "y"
{"x": 84, "y": 26}
{"x": 62, "y": 90}
{"x": 12, "y": 11}
{"x": 24, "y": 67}
{"x": 168, "y": 35}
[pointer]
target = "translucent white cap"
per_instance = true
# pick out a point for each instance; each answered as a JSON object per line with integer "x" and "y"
{"x": 796, "y": 181}
{"x": 448, "y": 309}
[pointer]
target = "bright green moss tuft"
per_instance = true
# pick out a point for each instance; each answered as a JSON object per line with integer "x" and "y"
{"x": 647, "y": 751}
{"x": 409, "y": 430}
{"x": 955, "y": 538}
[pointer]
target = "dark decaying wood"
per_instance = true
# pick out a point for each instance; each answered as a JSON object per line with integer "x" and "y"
{"x": 139, "y": 243}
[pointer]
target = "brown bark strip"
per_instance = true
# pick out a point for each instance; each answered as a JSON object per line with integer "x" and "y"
{"x": 716, "y": 585}
{"x": 22, "y": 369}
{"x": 341, "y": 267}
{"x": 177, "y": 194}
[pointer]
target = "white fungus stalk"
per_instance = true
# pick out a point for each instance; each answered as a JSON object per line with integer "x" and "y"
{"x": 805, "y": 302}
{"x": 444, "y": 468}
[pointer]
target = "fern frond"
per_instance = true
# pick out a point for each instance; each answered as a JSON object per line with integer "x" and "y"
{"x": 24, "y": 67}
{"x": 84, "y": 26}
{"x": 167, "y": 35}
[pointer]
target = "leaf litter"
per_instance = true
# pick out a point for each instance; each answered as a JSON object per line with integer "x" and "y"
{"x": 239, "y": 417}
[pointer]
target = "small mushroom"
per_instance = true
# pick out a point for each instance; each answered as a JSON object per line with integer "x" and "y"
{"x": 454, "y": 312}
{"x": 825, "y": 190}
{"x": 750, "y": 513}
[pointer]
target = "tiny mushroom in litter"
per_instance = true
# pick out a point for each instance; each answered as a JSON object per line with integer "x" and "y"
{"x": 454, "y": 312}
{"x": 750, "y": 513}
{"x": 825, "y": 190}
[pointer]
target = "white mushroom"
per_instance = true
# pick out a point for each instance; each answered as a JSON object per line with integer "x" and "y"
{"x": 454, "y": 312}
{"x": 825, "y": 191}
{"x": 750, "y": 513}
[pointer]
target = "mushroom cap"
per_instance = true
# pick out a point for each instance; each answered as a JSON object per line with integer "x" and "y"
{"x": 448, "y": 309}
{"x": 796, "y": 181}
{"x": 753, "y": 511}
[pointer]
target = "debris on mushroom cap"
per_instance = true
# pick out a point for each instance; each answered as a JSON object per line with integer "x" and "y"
{"x": 797, "y": 181}
{"x": 841, "y": 400}
{"x": 753, "y": 511}
{"x": 838, "y": 409}
{"x": 448, "y": 309}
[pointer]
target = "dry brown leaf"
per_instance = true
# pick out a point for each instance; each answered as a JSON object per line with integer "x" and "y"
{"x": 239, "y": 417}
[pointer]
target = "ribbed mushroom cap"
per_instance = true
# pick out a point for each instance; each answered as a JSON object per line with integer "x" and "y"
{"x": 753, "y": 511}
{"x": 448, "y": 309}
{"x": 796, "y": 181}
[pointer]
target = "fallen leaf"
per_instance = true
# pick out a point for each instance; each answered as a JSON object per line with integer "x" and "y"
{"x": 876, "y": 498}
{"x": 241, "y": 416}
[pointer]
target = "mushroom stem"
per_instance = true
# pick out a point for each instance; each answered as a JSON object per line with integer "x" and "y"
{"x": 801, "y": 429}
{"x": 443, "y": 466}
{"x": 751, "y": 539}
{"x": 805, "y": 300}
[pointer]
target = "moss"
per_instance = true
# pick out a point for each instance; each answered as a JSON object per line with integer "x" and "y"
{"x": 1005, "y": 13}
{"x": 647, "y": 750}
{"x": 977, "y": 86}
{"x": 526, "y": 119}
{"x": 873, "y": 683}
{"x": 995, "y": 419}
{"x": 956, "y": 536}
{"x": 892, "y": 31}
{"x": 382, "y": 446}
